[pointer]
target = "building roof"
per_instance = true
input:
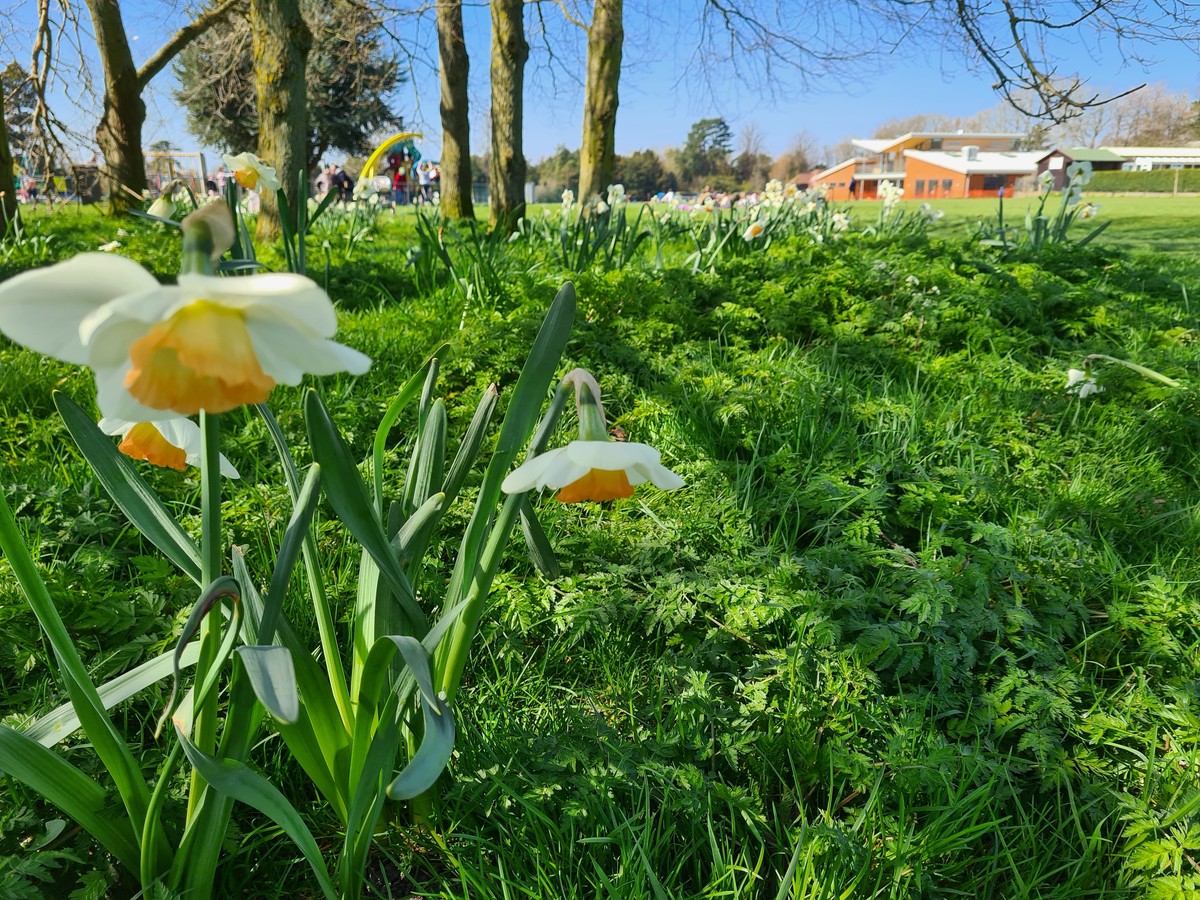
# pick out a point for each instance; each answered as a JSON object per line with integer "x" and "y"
{"x": 873, "y": 145}
{"x": 1087, "y": 154}
{"x": 880, "y": 145}
{"x": 1131, "y": 152}
{"x": 986, "y": 162}
{"x": 834, "y": 168}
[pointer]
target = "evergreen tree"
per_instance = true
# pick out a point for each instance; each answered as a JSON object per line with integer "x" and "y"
{"x": 348, "y": 81}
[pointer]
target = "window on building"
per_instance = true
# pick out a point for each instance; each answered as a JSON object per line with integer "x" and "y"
{"x": 947, "y": 186}
{"x": 935, "y": 144}
{"x": 994, "y": 182}
{"x": 932, "y": 187}
{"x": 920, "y": 188}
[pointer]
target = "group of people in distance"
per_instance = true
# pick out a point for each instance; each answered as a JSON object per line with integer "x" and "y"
{"x": 411, "y": 182}
{"x": 405, "y": 180}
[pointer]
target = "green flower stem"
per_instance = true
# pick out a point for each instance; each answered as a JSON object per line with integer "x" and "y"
{"x": 205, "y": 719}
{"x": 592, "y": 426}
{"x": 152, "y": 828}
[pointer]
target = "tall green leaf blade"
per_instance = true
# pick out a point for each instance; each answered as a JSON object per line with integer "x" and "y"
{"x": 348, "y": 496}
{"x": 390, "y": 415}
{"x": 73, "y": 676}
{"x": 128, "y": 489}
{"x": 239, "y": 781}
{"x": 469, "y": 580}
{"x": 468, "y": 450}
{"x": 273, "y": 678}
{"x": 62, "y": 721}
{"x": 71, "y": 791}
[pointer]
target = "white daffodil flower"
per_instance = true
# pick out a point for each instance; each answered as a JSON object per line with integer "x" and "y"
{"x": 1046, "y": 180}
{"x": 568, "y": 198}
{"x": 1080, "y": 172}
{"x": 109, "y": 247}
{"x": 1082, "y": 383}
{"x": 755, "y": 230}
{"x": 601, "y": 206}
{"x": 251, "y": 172}
{"x": 172, "y": 443}
{"x": 163, "y": 208}
{"x": 616, "y": 194}
{"x": 205, "y": 344}
{"x": 592, "y": 470}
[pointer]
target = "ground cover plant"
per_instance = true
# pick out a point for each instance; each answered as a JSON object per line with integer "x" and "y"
{"x": 921, "y": 623}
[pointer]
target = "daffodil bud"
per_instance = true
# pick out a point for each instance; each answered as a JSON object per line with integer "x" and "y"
{"x": 207, "y": 233}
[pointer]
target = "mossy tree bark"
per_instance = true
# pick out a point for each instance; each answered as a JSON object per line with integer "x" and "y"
{"x": 280, "y": 43}
{"x": 8, "y": 197}
{"x": 510, "y": 50}
{"x": 606, "y": 36}
{"x": 120, "y": 132}
{"x": 455, "y": 183}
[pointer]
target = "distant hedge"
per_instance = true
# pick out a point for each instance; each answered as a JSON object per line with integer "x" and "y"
{"x": 1157, "y": 181}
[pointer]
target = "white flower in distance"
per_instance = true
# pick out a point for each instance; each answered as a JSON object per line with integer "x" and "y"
{"x": 163, "y": 208}
{"x": 839, "y": 221}
{"x": 1079, "y": 172}
{"x": 568, "y": 198}
{"x": 205, "y": 344}
{"x": 1082, "y": 383}
{"x": 109, "y": 247}
{"x": 592, "y": 470}
{"x": 172, "y": 443}
{"x": 251, "y": 172}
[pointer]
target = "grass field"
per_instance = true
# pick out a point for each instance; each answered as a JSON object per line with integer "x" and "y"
{"x": 923, "y": 623}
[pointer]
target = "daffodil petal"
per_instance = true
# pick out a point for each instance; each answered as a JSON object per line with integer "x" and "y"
{"x": 44, "y": 309}
{"x": 612, "y": 454}
{"x": 129, "y": 314}
{"x": 115, "y": 401}
{"x": 530, "y": 475}
{"x": 661, "y": 477}
{"x": 278, "y": 294}
{"x": 185, "y": 434}
{"x": 286, "y": 353}
{"x": 179, "y": 432}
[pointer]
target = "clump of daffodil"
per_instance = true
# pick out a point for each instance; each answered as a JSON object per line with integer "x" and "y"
{"x": 171, "y": 443}
{"x": 594, "y": 467}
{"x": 251, "y": 172}
{"x": 206, "y": 343}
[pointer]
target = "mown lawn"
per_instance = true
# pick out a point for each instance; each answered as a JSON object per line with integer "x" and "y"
{"x": 922, "y": 623}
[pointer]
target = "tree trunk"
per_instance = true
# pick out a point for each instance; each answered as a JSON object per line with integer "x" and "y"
{"x": 120, "y": 131}
{"x": 597, "y": 155}
{"x": 281, "y": 40}
{"x": 455, "y": 183}
{"x": 510, "y": 50}
{"x": 8, "y": 197}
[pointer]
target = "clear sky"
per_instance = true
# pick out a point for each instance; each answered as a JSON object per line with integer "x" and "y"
{"x": 659, "y": 96}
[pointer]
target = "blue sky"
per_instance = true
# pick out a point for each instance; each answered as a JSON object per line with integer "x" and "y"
{"x": 660, "y": 99}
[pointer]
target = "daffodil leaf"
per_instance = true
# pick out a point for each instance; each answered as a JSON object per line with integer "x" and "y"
{"x": 61, "y": 722}
{"x": 468, "y": 450}
{"x": 390, "y": 415}
{"x": 240, "y": 782}
{"x": 70, "y": 790}
{"x": 128, "y": 489}
{"x": 540, "y": 549}
{"x": 273, "y": 678}
{"x": 348, "y": 496}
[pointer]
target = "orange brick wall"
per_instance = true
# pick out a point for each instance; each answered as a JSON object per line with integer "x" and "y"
{"x": 839, "y": 176}
{"x": 915, "y": 170}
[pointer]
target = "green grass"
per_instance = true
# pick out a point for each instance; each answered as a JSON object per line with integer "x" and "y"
{"x": 921, "y": 624}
